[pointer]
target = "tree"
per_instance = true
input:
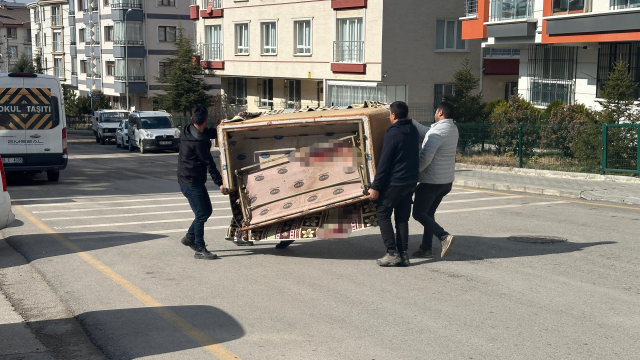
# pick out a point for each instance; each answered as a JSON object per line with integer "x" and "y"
{"x": 468, "y": 107}
{"x": 23, "y": 65}
{"x": 618, "y": 94}
{"x": 185, "y": 88}
{"x": 71, "y": 106}
{"x": 38, "y": 63}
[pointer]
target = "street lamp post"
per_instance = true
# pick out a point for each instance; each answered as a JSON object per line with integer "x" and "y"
{"x": 126, "y": 58}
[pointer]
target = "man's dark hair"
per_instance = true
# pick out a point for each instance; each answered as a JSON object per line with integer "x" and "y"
{"x": 399, "y": 109}
{"x": 200, "y": 115}
{"x": 447, "y": 109}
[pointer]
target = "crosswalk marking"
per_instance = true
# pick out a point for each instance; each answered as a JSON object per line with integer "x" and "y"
{"x": 500, "y": 207}
{"x": 481, "y": 199}
{"x": 126, "y": 234}
{"x": 114, "y": 201}
{"x": 121, "y": 207}
{"x": 96, "y": 197}
{"x": 125, "y": 215}
{"x": 135, "y": 223}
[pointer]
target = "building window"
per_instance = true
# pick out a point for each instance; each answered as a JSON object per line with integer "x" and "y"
{"x": 568, "y": 6}
{"x": 237, "y": 91}
{"x": 269, "y": 38}
{"x": 510, "y": 89}
{"x": 111, "y": 68}
{"x": 163, "y": 68}
{"x": 213, "y": 43}
{"x": 242, "y": 39}
{"x": 44, "y": 39}
{"x": 56, "y": 16}
{"x": 471, "y": 8}
{"x": 98, "y": 70}
{"x": 81, "y": 34}
{"x": 108, "y": 33}
{"x": 609, "y": 54}
{"x": 58, "y": 68}
{"x": 166, "y": 33}
{"x": 439, "y": 93}
{"x": 74, "y": 66}
{"x": 135, "y": 70}
{"x": 343, "y": 93}
{"x": 84, "y": 66}
{"x": 623, "y": 4}
{"x": 511, "y": 9}
{"x": 552, "y": 74}
{"x": 57, "y": 41}
{"x": 302, "y": 34}
{"x": 265, "y": 90}
{"x": 106, "y": 3}
{"x": 13, "y": 52}
{"x": 349, "y": 46}
{"x": 166, "y": 2}
{"x": 12, "y": 33}
{"x": 449, "y": 35}
{"x": 293, "y": 89}
{"x": 131, "y": 33}
{"x": 28, "y": 52}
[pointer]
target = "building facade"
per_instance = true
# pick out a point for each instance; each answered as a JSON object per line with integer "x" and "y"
{"x": 112, "y": 45}
{"x": 566, "y": 48}
{"x": 15, "y": 34}
{"x": 298, "y": 54}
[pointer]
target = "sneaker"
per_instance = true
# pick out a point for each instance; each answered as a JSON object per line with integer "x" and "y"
{"x": 204, "y": 254}
{"x": 189, "y": 241}
{"x": 423, "y": 254}
{"x": 446, "y": 242}
{"x": 389, "y": 260}
{"x": 404, "y": 259}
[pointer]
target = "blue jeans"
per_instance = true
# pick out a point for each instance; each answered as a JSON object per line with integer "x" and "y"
{"x": 198, "y": 197}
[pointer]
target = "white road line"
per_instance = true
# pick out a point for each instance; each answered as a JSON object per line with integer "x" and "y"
{"x": 120, "y": 207}
{"x": 115, "y": 201}
{"x": 117, "y": 156}
{"x": 136, "y": 223}
{"x": 122, "y": 215}
{"x": 482, "y": 199}
{"x": 499, "y": 207}
{"x": 96, "y": 197}
{"x": 160, "y": 232}
{"x": 462, "y": 193}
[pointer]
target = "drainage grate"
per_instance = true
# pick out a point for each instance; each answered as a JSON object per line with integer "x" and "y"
{"x": 537, "y": 239}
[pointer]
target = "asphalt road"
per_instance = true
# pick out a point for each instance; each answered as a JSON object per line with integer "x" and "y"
{"x": 102, "y": 267}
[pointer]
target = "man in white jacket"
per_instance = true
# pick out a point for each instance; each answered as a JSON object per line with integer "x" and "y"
{"x": 437, "y": 172}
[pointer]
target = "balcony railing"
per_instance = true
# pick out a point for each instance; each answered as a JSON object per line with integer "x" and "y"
{"x": 216, "y": 4}
{"x": 511, "y": 9}
{"x": 126, "y": 4}
{"x": 348, "y": 52}
{"x": 128, "y": 42}
{"x": 501, "y": 52}
{"x": 59, "y": 72}
{"x": 27, "y": 40}
{"x": 131, "y": 78}
{"x": 623, "y": 4}
{"x": 57, "y": 46}
{"x": 12, "y": 37}
{"x": 56, "y": 20}
{"x": 471, "y": 8}
{"x": 212, "y": 52}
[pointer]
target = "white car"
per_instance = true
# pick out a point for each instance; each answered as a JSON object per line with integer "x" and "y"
{"x": 122, "y": 134}
{"x": 152, "y": 130}
{"x": 6, "y": 215}
{"x": 105, "y": 123}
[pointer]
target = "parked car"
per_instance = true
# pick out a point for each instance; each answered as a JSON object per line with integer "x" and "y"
{"x": 33, "y": 132}
{"x": 6, "y": 215}
{"x": 105, "y": 123}
{"x": 122, "y": 134}
{"x": 152, "y": 130}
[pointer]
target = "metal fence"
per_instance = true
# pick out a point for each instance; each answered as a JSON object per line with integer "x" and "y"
{"x": 620, "y": 151}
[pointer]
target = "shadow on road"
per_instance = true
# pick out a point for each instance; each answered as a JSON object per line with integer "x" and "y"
{"x": 136, "y": 333}
{"x": 39, "y": 246}
{"x": 370, "y": 247}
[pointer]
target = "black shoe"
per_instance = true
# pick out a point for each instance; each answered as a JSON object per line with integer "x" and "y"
{"x": 284, "y": 244}
{"x": 204, "y": 254}
{"x": 404, "y": 259}
{"x": 423, "y": 254}
{"x": 189, "y": 241}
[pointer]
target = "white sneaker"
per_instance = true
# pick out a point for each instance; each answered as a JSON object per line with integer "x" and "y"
{"x": 446, "y": 245}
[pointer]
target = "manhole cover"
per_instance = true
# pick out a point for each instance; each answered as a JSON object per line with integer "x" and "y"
{"x": 537, "y": 239}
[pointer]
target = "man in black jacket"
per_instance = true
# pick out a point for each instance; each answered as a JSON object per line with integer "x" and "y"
{"x": 394, "y": 184}
{"x": 194, "y": 163}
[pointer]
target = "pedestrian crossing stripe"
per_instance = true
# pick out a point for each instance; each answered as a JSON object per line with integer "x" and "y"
{"x": 25, "y": 109}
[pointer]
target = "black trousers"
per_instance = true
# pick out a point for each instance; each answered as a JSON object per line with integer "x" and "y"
{"x": 428, "y": 198}
{"x": 396, "y": 199}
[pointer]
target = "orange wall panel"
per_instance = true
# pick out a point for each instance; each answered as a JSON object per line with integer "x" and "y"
{"x": 475, "y": 28}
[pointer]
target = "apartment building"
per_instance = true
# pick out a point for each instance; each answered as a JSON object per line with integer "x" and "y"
{"x": 118, "y": 44}
{"x": 567, "y": 48}
{"x": 300, "y": 53}
{"x": 15, "y": 34}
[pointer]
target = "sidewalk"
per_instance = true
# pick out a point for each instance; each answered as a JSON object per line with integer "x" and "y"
{"x": 616, "y": 189}
{"x": 16, "y": 340}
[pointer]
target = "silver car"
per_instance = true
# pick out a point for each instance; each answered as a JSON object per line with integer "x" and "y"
{"x": 122, "y": 134}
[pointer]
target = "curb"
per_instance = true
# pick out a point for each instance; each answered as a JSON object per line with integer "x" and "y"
{"x": 571, "y": 194}
{"x": 550, "y": 173}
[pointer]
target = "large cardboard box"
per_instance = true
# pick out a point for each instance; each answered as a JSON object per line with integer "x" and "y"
{"x": 290, "y": 165}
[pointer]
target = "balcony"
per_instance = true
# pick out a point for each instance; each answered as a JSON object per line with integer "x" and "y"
{"x": 348, "y": 4}
{"x": 623, "y": 4}
{"x": 211, "y": 9}
{"x": 128, "y": 42}
{"x": 585, "y": 22}
{"x": 126, "y": 4}
{"x": 212, "y": 56}
{"x": 57, "y": 46}
{"x": 59, "y": 72}
{"x": 471, "y": 8}
{"x": 511, "y": 18}
{"x": 131, "y": 78}
{"x": 56, "y": 20}
{"x": 348, "y": 57}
